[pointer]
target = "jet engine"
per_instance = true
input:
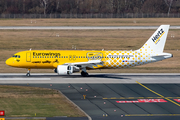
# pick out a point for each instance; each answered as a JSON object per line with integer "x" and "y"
{"x": 66, "y": 69}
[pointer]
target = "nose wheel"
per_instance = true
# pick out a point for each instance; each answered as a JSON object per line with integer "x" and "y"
{"x": 28, "y": 73}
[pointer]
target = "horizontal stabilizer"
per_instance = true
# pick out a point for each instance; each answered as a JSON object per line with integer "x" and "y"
{"x": 163, "y": 55}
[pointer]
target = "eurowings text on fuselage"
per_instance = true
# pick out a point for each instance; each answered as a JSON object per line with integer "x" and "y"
{"x": 69, "y": 61}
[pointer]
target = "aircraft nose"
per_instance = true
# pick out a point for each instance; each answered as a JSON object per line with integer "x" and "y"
{"x": 8, "y": 62}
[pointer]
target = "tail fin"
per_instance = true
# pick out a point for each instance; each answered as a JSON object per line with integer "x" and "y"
{"x": 157, "y": 41}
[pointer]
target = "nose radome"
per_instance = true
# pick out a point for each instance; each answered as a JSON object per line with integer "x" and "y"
{"x": 8, "y": 62}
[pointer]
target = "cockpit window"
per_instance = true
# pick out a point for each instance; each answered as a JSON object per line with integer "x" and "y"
{"x": 16, "y": 56}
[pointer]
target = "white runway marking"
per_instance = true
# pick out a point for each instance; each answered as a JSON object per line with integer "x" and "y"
{"x": 25, "y": 79}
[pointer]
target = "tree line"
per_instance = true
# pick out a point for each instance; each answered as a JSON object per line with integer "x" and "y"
{"x": 88, "y": 6}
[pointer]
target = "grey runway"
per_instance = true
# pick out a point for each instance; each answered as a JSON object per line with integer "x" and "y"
{"x": 80, "y": 27}
{"x": 107, "y": 96}
{"x": 93, "y": 78}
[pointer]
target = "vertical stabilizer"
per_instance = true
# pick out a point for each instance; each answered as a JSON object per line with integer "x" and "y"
{"x": 157, "y": 41}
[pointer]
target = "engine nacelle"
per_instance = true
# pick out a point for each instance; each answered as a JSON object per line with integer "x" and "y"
{"x": 64, "y": 69}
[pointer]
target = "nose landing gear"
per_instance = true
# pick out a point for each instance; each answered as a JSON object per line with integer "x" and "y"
{"x": 28, "y": 73}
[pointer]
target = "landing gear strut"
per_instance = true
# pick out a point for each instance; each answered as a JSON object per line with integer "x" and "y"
{"x": 84, "y": 73}
{"x": 28, "y": 73}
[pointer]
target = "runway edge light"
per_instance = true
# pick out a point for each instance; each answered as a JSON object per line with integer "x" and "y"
{"x": 2, "y": 112}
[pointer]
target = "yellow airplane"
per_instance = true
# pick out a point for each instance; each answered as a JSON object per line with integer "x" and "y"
{"x": 66, "y": 62}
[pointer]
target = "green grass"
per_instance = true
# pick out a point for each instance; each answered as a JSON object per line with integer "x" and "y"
{"x": 27, "y": 101}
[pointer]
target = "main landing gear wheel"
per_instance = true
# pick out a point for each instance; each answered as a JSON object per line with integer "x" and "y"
{"x": 28, "y": 73}
{"x": 84, "y": 74}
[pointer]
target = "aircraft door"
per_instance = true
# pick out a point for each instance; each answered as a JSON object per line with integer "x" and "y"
{"x": 28, "y": 57}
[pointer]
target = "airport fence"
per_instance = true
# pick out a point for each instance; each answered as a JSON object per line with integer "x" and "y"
{"x": 127, "y": 15}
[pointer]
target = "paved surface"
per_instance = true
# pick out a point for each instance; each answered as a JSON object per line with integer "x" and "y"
{"x": 93, "y": 78}
{"x": 100, "y": 100}
{"x": 141, "y": 97}
{"x": 79, "y": 27}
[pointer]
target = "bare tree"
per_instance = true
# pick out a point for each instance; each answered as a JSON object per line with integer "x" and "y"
{"x": 57, "y": 5}
{"x": 24, "y": 1}
{"x": 169, "y": 4}
{"x": 44, "y": 3}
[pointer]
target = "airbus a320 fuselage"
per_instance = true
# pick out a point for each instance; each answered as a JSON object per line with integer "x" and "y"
{"x": 66, "y": 62}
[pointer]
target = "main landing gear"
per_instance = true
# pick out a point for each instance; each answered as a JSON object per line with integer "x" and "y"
{"x": 84, "y": 73}
{"x": 28, "y": 73}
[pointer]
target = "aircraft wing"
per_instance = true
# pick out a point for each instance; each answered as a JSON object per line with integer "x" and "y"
{"x": 89, "y": 64}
